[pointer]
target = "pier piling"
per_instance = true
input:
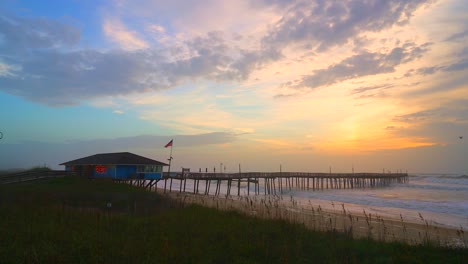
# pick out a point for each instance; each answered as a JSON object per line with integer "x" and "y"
{"x": 276, "y": 183}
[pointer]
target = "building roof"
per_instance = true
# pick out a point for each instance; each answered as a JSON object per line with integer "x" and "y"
{"x": 120, "y": 158}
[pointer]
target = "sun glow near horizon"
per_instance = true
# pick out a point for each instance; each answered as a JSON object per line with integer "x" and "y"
{"x": 305, "y": 83}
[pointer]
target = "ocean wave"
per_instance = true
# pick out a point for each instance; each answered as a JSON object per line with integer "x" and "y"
{"x": 371, "y": 199}
{"x": 423, "y": 194}
{"x": 437, "y": 187}
{"x": 446, "y": 181}
{"x": 459, "y": 177}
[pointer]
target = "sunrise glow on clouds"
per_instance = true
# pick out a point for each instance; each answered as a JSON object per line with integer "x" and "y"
{"x": 306, "y": 84}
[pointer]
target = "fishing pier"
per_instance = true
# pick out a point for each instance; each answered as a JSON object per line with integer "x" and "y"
{"x": 148, "y": 173}
{"x": 269, "y": 183}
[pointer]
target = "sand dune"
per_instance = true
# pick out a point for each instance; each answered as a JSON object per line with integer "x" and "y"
{"x": 357, "y": 225}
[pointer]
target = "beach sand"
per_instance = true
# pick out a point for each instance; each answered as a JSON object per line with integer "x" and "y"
{"x": 356, "y": 225}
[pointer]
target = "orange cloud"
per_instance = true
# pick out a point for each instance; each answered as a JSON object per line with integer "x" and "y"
{"x": 125, "y": 38}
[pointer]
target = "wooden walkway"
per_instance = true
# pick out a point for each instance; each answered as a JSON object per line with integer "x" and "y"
{"x": 25, "y": 176}
{"x": 273, "y": 183}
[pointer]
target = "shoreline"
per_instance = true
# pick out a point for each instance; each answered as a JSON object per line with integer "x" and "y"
{"x": 314, "y": 217}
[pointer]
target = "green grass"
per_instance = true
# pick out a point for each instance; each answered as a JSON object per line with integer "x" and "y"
{"x": 66, "y": 220}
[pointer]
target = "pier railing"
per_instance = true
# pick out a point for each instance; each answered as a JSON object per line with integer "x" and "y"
{"x": 243, "y": 175}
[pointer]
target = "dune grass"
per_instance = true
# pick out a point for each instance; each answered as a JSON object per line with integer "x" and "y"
{"x": 32, "y": 169}
{"x": 74, "y": 220}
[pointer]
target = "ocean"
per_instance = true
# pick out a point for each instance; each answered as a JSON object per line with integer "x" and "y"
{"x": 439, "y": 199}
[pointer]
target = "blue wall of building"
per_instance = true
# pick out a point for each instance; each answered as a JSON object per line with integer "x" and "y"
{"x": 125, "y": 172}
{"x": 116, "y": 171}
{"x": 153, "y": 175}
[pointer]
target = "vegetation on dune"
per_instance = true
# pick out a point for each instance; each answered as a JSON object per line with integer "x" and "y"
{"x": 71, "y": 220}
{"x": 32, "y": 170}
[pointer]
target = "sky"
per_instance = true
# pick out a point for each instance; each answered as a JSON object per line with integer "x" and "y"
{"x": 251, "y": 84}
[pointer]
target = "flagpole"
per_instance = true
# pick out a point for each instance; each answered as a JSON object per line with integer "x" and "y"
{"x": 170, "y": 159}
{"x": 169, "y": 171}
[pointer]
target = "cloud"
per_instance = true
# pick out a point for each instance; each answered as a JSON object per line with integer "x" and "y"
{"x": 7, "y": 70}
{"x": 365, "y": 89}
{"x": 458, "y": 66}
{"x": 57, "y": 78}
{"x": 42, "y": 60}
{"x": 159, "y": 34}
{"x": 458, "y": 62}
{"x": 415, "y": 117}
{"x": 153, "y": 141}
{"x": 157, "y": 29}
{"x": 125, "y": 38}
{"x": 285, "y": 96}
{"x": 19, "y": 34}
{"x": 428, "y": 70}
{"x": 329, "y": 23}
{"x": 372, "y": 92}
{"x": 455, "y": 111}
{"x": 440, "y": 132}
{"x": 363, "y": 64}
{"x": 32, "y": 153}
{"x": 66, "y": 77}
{"x": 244, "y": 130}
{"x": 207, "y": 58}
{"x": 250, "y": 61}
{"x": 456, "y": 78}
{"x": 63, "y": 77}
{"x": 460, "y": 36}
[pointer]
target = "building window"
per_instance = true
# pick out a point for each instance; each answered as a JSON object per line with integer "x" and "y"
{"x": 149, "y": 168}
